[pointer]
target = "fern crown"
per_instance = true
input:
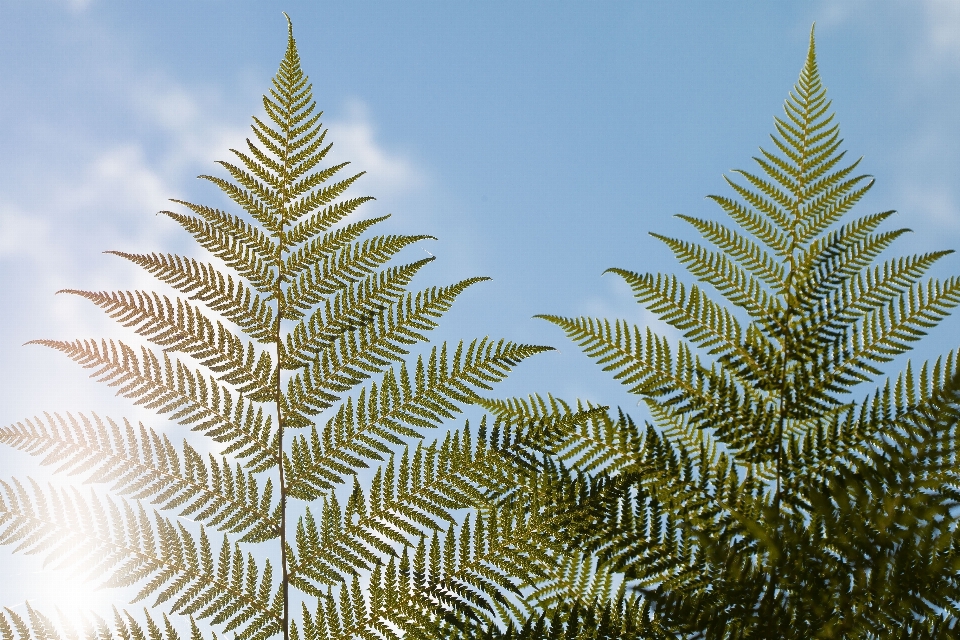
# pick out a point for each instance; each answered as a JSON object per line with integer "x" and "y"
{"x": 769, "y": 500}
{"x": 806, "y": 314}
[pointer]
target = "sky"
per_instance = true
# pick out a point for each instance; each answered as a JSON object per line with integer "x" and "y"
{"x": 540, "y": 142}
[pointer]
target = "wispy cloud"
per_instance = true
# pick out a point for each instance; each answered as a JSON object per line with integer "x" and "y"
{"x": 191, "y": 122}
{"x": 923, "y": 168}
{"x": 76, "y": 6}
{"x": 932, "y": 26}
{"x": 834, "y": 13}
{"x": 355, "y": 140}
{"x": 108, "y": 199}
{"x": 618, "y": 301}
{"x": 935, "y": 203}
{"x": 21, "y": 234}
{"x": 922, "y": 71}
{"x": 942, "y": 41}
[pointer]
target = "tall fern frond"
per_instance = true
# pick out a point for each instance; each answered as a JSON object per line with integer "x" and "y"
{"x": 289, "y": 357}
{"x": 772, "y": 500}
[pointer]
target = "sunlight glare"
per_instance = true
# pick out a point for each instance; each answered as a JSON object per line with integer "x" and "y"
{"x": 49, "y": 591}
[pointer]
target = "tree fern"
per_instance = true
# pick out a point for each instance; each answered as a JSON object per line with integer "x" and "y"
{"x": 774, "y": 497}
{"x": 290, "y": 351}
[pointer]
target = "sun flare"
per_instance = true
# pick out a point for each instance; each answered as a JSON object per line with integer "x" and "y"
{"x": 58, "y": 592}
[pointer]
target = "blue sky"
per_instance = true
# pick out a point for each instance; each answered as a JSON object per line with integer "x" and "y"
{"x": 539, "y": 141}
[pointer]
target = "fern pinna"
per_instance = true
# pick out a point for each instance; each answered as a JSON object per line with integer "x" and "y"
{"x": 774, "y": 498}
{"x": 293, "y": 358}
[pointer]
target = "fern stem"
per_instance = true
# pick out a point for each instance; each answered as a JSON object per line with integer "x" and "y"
{"x": 790, "y": 308}
{"x": 285, "y": 576}
{"x": 278, "y": 293}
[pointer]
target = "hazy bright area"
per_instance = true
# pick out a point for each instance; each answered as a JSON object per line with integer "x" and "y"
{"x": 540, "y": 142}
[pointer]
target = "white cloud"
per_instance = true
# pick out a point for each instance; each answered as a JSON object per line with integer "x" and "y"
{"x": 834, "y": 13}
{"x": 119, "y": 178}
{"x": 191, "y": 121}
{"x": 50, "y": 590}
{"x": 21, "y": 234}
{"x": 189, "y": 118}
{"x": 925, "y": 68}
{"x": 168, "y": 105}
{"x": 109, "y": 201}
{"x": 933, "y": 24}
{"x": 354, "y": 140}
{"x": 619, "y": 302}
{"x": 197, "y": 135}
{"x": 935, "y": 203}
{"x": 76, "y": 6}
{"x": 942, "y": 43}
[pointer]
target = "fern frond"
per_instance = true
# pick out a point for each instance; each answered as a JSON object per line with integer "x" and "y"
{"x": 396, "y": 408}
{"x": 144, "y": 465}
{"x": 583, "y": 438}
{"x": 242, "y": 247}
{"x": 887, "y": 332}
{"x": 520, "y": 542}
{"x": 324, "y": 219}
{"x": 826, "y": 208}
{"x": 96, "y": 536}
{"x": 330, "y": 215}
{"x": 747, "y": 253}
{"x": 38, "y": 626}
{"x": 305, "y": 290}
{"x": 183, "y": 328}
{"x": 233, "y": 300}
{"x": 732, "y": 281}
{"x": 101, "y": 537}
{"x": 231, "y": 590}
{"x": 166, "y": 385}
{"x": 251, "y": 237}
{"x": 321, "y": 248}
{"x": 775, "y": 238}
{"x": 844, "y": 251}
{"x": 376, "y": 344}
{"x": 766, "y": 503}
{"x": 705, "y": 323}
{"x": 576, "y": 578}
{"x": 646, "y": 365}
{"x": 353, "y": 263}
{"x": 626, "y": 618}
{"x": 868, "y": 293}
{"x": 643, "y": 362}
{"x": 917, "y": 409}
{"x": 375, "y": 616}
{"x": 410, "y": 499}
{"x": 345, "y": 317}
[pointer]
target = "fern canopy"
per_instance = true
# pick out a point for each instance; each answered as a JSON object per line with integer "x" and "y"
{"x": 775, "y": 497}
{"x": 781, "y": 490}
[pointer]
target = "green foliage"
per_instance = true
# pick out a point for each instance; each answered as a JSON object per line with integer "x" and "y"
{"x": 289, "y": 356}
{"x": 774, "y": 497}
